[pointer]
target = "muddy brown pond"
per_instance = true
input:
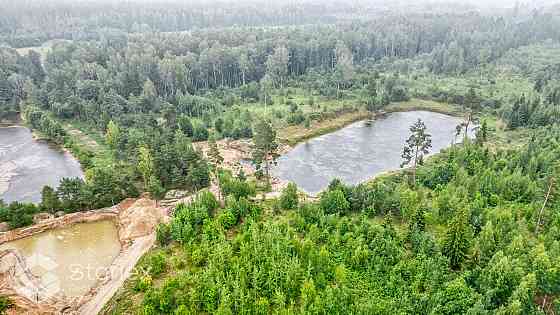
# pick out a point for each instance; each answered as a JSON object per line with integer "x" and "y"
{"x": 71, "y": 259}
{"x": 26, "y": 165}
{"x": 360, "y": 150}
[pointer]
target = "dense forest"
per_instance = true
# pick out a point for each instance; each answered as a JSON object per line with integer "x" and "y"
{"x": 472, "y": 230}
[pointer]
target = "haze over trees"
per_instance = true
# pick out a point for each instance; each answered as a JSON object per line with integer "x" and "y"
{"x": 476, "y": 231}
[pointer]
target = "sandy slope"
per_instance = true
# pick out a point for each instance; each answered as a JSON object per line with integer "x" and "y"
{"x": 121, "y": 269}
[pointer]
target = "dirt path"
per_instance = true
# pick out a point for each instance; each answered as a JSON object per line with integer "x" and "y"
{"x": 121, "y": 269}
{"x": 82, "y": 137}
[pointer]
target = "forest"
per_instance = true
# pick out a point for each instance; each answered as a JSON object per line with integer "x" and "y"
{"x": 474, "y": 229}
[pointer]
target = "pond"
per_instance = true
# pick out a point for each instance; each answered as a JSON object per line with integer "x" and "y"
{"x": 361, "y": 150}
{"x": 70, "y": 260}
{"x": 26, "y": 165}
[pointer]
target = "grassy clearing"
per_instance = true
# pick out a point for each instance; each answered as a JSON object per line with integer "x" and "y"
{"x": 91, "y": 140}
{"x": 294, "y": 134}
{"x": 419, "y": 104}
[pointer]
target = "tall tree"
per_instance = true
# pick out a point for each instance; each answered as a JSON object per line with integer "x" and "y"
{"x": 49, "y": 199}
{"x": 416, "y": 146}
{"x": 112, "y": 136}
{"x": 265, "y": 146}
{"x": 463, "y": 127}
{"x": 277, "y": 65}
{"x": 456, "y": 244}
{"x": 146, "y": 165}
{"x": 213, "y": 151}
{"x": 344, "y": 69}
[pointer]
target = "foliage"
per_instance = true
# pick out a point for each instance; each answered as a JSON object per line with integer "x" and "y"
{"x": 5, "y": 304}
{"x": 163, "y": 234}
{"x": 417, "y": 145}
{"x": 289, "y": 199}
{"x": 334, "y": 202}
{"x": 470, "y": 245}
{"x": 265, "y": 146}
{"x": 236, "y": 187}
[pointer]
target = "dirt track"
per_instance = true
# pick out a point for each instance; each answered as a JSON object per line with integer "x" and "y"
{"x": 120, "y": 270}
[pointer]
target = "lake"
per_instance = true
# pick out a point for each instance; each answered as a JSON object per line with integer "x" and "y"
{"x": 71, "y": 259}
{"x": 361, "y": 150}
{"x": 26, "y": 165}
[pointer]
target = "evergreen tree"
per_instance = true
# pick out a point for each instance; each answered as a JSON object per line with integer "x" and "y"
{"x": 417, "y": 145}
{"x": 49, "y": 200}
{"x": 213, "y": 152}
{"x": 482, "y": 133}
{"x": 146, "y": 166}
{"x": 265, "y": 147}
{"x": 456, "y": 243}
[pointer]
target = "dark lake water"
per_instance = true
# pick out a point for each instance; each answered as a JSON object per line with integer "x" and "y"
{"x": 26, "y": 165}
{"x": 360, "y": 151}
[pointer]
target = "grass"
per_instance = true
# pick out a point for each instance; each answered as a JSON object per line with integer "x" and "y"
{"x": 295, "y": 134}
{"x": 92, "y": 140}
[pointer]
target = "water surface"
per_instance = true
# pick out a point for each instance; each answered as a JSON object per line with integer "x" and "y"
{"x": 26, "y": 165}
{"x": 360, "y": 150}
{"x": 70, "y": 259}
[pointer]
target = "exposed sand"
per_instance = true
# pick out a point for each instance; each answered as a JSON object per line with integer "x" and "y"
{"x": 136, "y": 220}
{"x": 121, "y": 269}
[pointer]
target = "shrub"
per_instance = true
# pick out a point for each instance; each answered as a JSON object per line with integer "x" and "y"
{"x": 236, "y": 187}
{"x": 334, "y": 201}
{"x": 5, "y": 304}
{"x": 227, "y": 219}
{"x": 289, "y": 198}
{"x": 156, "y": 264}
{"x": 207, "y": 200}
{"x": 142, "y": 283}
{"x": 163, "y": 234}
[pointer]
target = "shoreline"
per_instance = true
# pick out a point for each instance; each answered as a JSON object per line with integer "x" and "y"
{"x": 234, "y": 151}
{"x": 321, "y": 128}
{"x": 38, "y": 139}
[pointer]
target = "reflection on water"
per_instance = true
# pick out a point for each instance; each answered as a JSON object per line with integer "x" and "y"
{"x": 27, "y": 165}
{"x": 70, "y": 259}
{"x": 360, "y": 151}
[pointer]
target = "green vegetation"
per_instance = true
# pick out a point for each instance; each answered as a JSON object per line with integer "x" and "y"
{"x": 468, "y": 238}
{"x": 5, "y": 304}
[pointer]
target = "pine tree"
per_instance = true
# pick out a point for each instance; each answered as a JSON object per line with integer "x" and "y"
{"x": 417, "y": 145}
{"x": 482, "y": 133}
{"x": 265, "y": 147}
{"x": 213, "y": 151}
{"x": 49, "y": 199}
{"x": 456, "y": 244}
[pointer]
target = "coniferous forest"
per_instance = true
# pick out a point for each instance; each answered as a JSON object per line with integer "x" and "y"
{"x": 134, "y": 89}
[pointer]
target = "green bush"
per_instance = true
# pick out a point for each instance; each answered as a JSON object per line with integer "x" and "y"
{"x": 207, "y": 200}
{"x": 157, "y": 264}
{"x": 227, "y": 219}
{"x": 163, "y": 234}
{"x": 289, "y": 198}
{"x": 334, "y": 201}
{"x": 142, "y": 283}
{"x": 5, "y": 304}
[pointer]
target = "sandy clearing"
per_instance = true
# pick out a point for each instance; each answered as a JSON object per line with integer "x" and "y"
{"x": 136, "y": 220}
